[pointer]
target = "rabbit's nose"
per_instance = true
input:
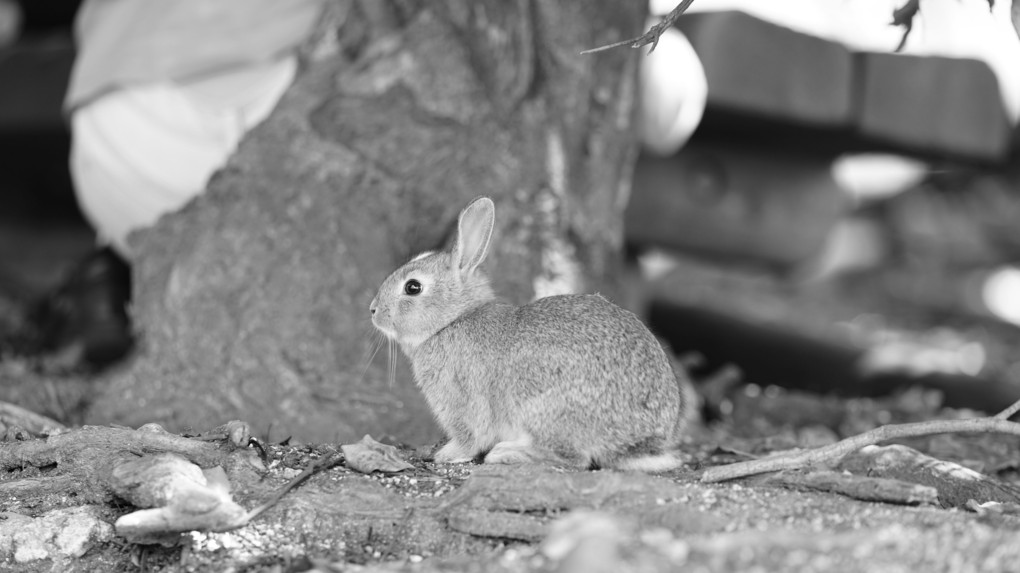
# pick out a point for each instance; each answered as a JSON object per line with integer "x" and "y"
{"x": 371, "y": 306}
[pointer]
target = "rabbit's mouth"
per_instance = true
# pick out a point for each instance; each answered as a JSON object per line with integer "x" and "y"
{"x": 388, "y": 332}
{"x": 408, "y": 342}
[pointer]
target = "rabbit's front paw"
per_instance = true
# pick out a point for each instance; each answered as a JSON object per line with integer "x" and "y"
{"x": 514, "y": 452}
{"x": 453, "y": 453}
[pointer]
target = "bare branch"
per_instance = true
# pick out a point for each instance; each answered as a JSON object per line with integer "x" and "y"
{"x": 653, "y": 33}
{"x": 832, "y": 453}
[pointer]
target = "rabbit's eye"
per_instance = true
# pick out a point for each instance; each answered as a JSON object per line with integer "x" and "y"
{"x": 412, "y": 287}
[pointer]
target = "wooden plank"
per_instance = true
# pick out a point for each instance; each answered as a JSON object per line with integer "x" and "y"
{"x": 764, "y": 69}
{"x": 946, "y": 105}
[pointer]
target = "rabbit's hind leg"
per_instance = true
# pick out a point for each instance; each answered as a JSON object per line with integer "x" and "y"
{"x": 649, "y": 463}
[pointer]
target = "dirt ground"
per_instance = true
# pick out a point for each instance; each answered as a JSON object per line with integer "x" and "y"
{"x": 437, "y": 517}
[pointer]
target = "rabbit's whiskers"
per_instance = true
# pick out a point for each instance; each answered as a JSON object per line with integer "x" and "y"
{"x": 393, "y": 362}
{"x": 369, "y": 357}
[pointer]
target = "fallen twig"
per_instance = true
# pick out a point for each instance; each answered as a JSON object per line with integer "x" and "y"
{"x": 653, "y": 33}
{"x": 312, "y": 469}
{"x": 833, "y": 452}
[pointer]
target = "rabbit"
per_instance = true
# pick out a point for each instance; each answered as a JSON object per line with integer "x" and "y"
{"x": 572, "y": 380}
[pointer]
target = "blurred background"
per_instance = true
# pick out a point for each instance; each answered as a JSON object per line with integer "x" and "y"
{"x": 837, "y": 208}
{"x": 36, "y": 54}
{"x": 827, "y": 198}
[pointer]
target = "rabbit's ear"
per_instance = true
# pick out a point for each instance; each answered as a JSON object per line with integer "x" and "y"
{"x": 474, "y": 228}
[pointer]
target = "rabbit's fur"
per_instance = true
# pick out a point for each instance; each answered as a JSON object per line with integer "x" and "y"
{"x": 570, "y": 379}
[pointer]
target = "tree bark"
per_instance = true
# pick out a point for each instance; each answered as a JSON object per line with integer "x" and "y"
{"x": 252, "y": 302}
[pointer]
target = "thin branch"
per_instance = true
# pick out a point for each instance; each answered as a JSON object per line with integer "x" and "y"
{"x": 833, "y": 452}
{"x": 652, "y": 35}
{"x": 312, "y": 469}
{"x": 1008, "y": 412}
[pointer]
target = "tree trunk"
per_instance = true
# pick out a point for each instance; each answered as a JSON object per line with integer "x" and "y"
{"x": 252, "y": 302}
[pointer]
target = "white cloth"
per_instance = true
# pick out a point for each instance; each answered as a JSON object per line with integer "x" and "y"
{"x": 143, "y": 151}
{"x": 674, "y": 90}
{"x": 124, "y": 43}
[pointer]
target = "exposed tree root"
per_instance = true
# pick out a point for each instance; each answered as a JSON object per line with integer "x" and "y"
{"x": 67, "y": 448}
{"x": 82, "y": 460}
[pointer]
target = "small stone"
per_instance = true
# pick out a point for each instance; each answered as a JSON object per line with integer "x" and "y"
{"x": 59, "y": 534}
{"x": 152, "y": 428}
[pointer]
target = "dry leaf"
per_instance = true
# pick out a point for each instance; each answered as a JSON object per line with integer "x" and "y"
{"x": 183, "y": 497}
{"x": 369, "y": 456}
